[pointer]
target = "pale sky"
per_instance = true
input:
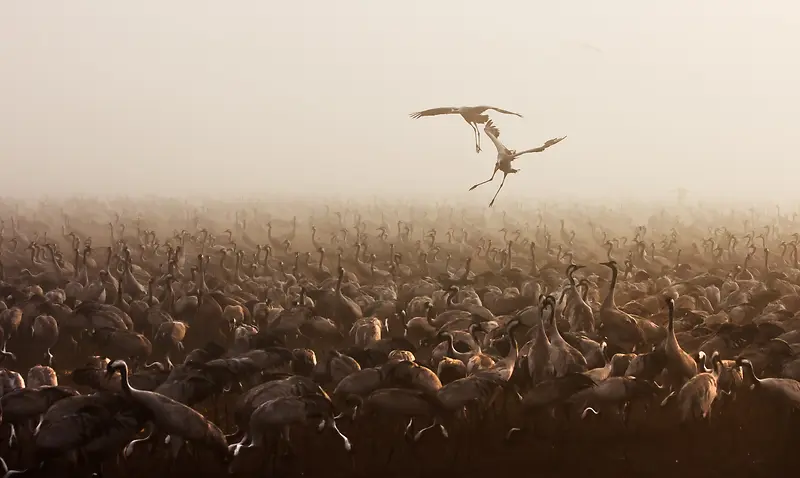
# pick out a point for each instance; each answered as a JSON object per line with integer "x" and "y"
{"x": 239, "y": 97}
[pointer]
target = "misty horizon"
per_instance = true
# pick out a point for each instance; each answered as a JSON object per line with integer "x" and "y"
{"x": 254, "y": 99}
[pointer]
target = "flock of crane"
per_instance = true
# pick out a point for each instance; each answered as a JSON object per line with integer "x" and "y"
{"x": 198, "y": 339}
{"x": 475, "y": 115}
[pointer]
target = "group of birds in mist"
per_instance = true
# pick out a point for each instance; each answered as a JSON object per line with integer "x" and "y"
{"x": 151, "y": 337}
{"x": 476, "y": 115}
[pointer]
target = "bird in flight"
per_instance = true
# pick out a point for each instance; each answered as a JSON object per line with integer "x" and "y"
{"x": 505, "y": 156}
{"x": 474, "y": 115}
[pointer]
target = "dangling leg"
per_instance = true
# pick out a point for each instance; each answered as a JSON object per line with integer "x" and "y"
{"x": 487, "y": 181}
{"x": 498, "y": 189}
{"x": 475, "y": 136}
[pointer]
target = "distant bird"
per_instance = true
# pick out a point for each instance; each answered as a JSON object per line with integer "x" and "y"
{"x": 471, "y": 114}
{"x": 505, "y": 156}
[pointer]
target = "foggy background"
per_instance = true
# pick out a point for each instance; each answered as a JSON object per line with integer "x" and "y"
{"x": 248, "y": 98}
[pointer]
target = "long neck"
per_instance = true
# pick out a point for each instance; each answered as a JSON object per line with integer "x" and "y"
{"x": 452, "y": 349}
{"x": 120, "y": 298}
{"x": 513, "y": 351}
{"x": 202, "y": 270}
{"x": 671, "y": 323}
{"x": 54, "y": 261}
{"x": 77, "y": 258}
{"x": 554, "y": 325}
{"x": 542, "y": 333}
{"x": 339, "y": 283}
{"x": 126, "y": 385}
{"x": 430, "y": 316}
{"x": 747, "y": 369}
{"x": 572, "y": 285}
{"x": 451, "y": 298}
{"x": 609, "y": 300}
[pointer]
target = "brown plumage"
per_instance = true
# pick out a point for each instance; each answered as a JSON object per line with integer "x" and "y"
{"x": 473, "y": 115}
{"x": 171, "y": 417}
{"x": 506, "y": 156}
{"x": 680, "y": 366}
{"x": 41, "y": 376}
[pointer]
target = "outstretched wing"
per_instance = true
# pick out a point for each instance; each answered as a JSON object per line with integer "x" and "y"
{"x": 541, "y": 148}
{"x": 493, "y": 133}
{"x": 435, "y": 112}
{"x": 500, "y": 110}
{"x": 490, "y": 127}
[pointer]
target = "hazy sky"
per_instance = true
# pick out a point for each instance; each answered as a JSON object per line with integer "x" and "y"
{"x": 178, "y": 97}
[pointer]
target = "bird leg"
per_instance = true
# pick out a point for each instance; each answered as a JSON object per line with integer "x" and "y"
{"x": 175, "y": 444}
{"x": 286, "y": 441}
{"x": 498, "y": 189}
{"x": 236, "y": 448}
{"x": 484, "y": 182}
{"x": 409, "y": 428}
{"x": 12, "y": 437}
{"x": 477, "y": 137}
{"x": 625, "y": 412}
{"x": 38, "y": 426}
{"x": 345, "y": 440}
{"x": 668, "y": 398}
